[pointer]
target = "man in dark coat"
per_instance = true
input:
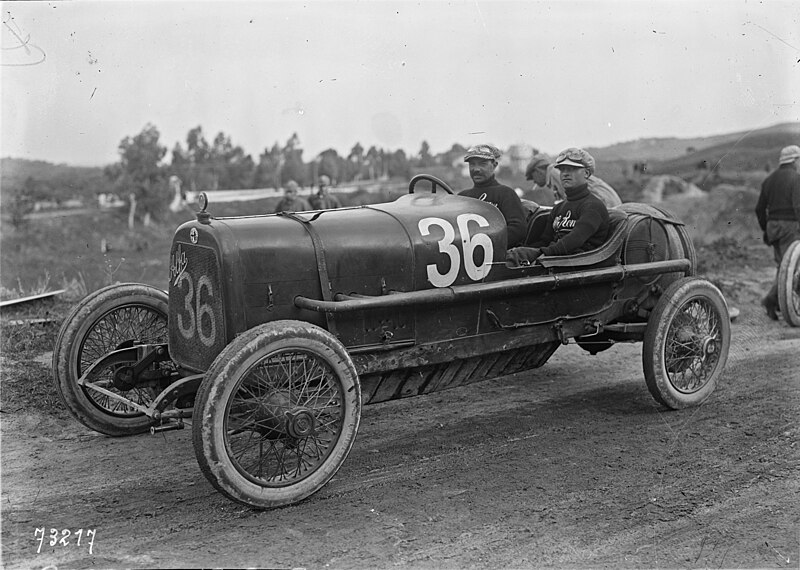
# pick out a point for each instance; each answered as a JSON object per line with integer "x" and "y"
{"x": 291, "y": 202}
{"x": 579, "y": 223}
{"x": 778, "y": 212}
{"x": 544, "y": 174}
{"x": 482, "y": 161}
{"x": 323, "y": 199}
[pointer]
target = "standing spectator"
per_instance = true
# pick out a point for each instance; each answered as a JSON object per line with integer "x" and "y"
{"x": 579, "y": 223}
{"x": 544, "y": 174}
{"x": 178, "y": 195}
{"x": 778, "y": 212}
{"x": 323, "y": 199}
{"x": 291, "y": 202}
{"x": 482, "y": 161}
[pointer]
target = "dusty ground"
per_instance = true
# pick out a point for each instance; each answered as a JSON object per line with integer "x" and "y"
{"x": 573, "y": 465}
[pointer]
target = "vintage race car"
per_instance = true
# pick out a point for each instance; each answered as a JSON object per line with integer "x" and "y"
{"x": 277, "y": 328}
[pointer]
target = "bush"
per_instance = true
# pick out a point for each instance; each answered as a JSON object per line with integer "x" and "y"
{"x": 19, "y": 205}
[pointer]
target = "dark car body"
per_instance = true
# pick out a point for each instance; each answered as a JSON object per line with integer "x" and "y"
{"x": 412, "y": 288}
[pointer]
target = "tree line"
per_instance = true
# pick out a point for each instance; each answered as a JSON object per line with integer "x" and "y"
{"x": 141, "y": 175}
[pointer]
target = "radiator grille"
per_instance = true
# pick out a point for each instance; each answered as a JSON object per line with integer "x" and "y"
{"x": 196, "y": 322}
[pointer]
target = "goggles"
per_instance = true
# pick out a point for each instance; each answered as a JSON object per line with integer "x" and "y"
{"x": 572, "y": 154}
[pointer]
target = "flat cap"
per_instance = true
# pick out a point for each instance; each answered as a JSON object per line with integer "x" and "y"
{"x": 574, "y": 156}
{"x": 485, "y": 151}
{"x": 789, "y": 154}
{"x": 538, "y": 161}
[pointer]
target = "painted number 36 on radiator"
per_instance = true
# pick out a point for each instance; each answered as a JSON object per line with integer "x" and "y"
{"x": 469, "y": 243}
{"x": 197, "y": 316}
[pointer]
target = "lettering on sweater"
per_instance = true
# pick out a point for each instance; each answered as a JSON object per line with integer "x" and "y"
{"x": 483, "y": 197}
{"x": 563, "y": 222}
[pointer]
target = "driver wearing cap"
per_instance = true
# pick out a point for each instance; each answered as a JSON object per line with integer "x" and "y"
{"x": 579, "y": 223}
{"x": 482, "y": 161}
{"x": 544, "y": 174}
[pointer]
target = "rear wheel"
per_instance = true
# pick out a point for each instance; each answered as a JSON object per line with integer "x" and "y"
{"x": 686, "y": 343}
{"x": 789, "y": 285}
{"x": 276, "y": 414}
{"x": 111, "y": 318}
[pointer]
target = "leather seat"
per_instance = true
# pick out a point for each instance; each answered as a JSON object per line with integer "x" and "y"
{"x": 603, "y": 256}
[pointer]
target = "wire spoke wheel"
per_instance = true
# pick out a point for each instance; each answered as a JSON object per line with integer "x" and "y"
{"x": 118, "y": 328}
{"x": 284, "y": 417}
{"x": 109, "y": 319}
{"x": 686, "y": 343}
{"x": 692, "y": 345}
{"x": 789, "y": 285}
{"x": 278, "y": 412}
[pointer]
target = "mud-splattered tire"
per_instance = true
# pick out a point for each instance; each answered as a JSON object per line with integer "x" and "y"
{"x": 276, "y": 414}
{"x": 100, "y": 323}
{"x": 789, "y": 285}
{"x": 686, "y": 343}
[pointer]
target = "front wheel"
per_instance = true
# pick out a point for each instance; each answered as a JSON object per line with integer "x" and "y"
{"x": 789, "y": 285}
{"x": 276, "y": 414}
{"x": 686, "y": 343}
{"x": 110, "y": 318}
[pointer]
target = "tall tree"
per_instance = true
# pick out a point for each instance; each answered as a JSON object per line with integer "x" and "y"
{"x": 140, "y": 175}
{"x": 398, "y": 164}
{"x": 373, "y": 163}
{"x": 231, "y": 168}
{"x": 424, "y": 158}
{"x": 355, "y": 162}
{"x": 329, "y": 164}
{"x": 193, "y": 165}
{"x": 455, "y": 154}
{"x": 267, "y": 171}
{"x": 292, "y": 167}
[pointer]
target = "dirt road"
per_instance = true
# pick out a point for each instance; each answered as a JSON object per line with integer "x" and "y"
{"x": 574, "y": 465}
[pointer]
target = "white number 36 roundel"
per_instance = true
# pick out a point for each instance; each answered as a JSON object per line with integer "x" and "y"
{"x": 469, "y": 243}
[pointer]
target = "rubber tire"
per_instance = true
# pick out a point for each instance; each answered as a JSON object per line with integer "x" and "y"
{"x": 211, "y": 406}
{"x": 67, "y": 354}
{"x": 669, "y": 305}
{"x": 788, "y": 276}
{"x": 689, "y": 249}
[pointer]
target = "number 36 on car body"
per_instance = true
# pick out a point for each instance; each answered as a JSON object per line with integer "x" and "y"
{"x": 469, "y": 243}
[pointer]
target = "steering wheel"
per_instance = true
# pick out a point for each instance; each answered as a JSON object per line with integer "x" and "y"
{"x": 434, "y": 183}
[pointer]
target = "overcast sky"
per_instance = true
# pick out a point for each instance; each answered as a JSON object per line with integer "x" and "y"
{"x": 78, "y": 77}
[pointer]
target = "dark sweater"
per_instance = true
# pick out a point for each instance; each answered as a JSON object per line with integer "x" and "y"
{"x": 507, "y": 201}
{"x": 579, "y": 223}
{"x": 780, "y": 196}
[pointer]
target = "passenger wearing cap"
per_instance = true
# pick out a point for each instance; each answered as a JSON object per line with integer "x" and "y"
{"x": 579, "y": 223}
{"x": 482, "y": 161}
{"x": 323, "y": 199}
{"x": 778, "y": 213}
{"x": 291, "y": 202}
{"x": 544, "y": 174}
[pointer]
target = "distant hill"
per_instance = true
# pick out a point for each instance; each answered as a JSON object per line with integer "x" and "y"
{"x": 59, "y": 181}
{"x": 740, "y": 157}
{"x": 745, "y": 152}
{"x": 668, "y": 149}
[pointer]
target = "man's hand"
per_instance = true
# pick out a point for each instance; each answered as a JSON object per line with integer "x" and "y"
{"x": 522, "y": 256}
